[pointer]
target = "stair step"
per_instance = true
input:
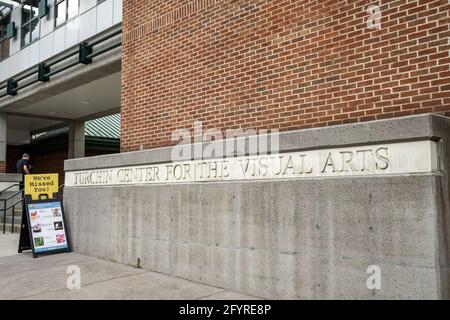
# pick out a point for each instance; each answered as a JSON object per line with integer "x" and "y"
{"x": 9, "y": 213}
{"x": 8, "y": 229}
{"x": 9, "y": 220}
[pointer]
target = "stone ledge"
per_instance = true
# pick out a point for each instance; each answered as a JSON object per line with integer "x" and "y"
{"x": 10, "y": 177}
{"x": 420, "y": 127}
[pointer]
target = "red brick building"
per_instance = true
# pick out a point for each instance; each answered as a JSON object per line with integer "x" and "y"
{"x": 283, "y": 64}
{"x": 307, "y": 220}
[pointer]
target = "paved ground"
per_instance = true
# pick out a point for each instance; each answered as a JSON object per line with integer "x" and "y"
{"x": 9, "y": 244}
{"x": 22, "y": 277}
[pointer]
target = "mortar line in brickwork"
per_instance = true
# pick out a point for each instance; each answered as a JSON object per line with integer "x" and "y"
{"x": 168, "y": 18}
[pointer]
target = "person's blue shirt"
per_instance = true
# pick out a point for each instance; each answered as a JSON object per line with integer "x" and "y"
{"x": 21, "y": 163}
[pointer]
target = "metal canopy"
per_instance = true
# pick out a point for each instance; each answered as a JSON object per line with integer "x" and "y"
{"x": 107, "y": 127}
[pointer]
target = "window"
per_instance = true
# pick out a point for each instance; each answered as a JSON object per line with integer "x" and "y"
{"x": 30, "y": 30}
{"x": 65, "y": 10}
{"x": 4, "y": 41}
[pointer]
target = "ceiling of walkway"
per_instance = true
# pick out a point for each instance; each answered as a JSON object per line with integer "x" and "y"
{"x": 91, "y": 100}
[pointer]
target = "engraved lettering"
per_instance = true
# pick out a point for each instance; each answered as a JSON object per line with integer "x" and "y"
{"x": 382, "y": 158}
{"x": 329, "y": 163}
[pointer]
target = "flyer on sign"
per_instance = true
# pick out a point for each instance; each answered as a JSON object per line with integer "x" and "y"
{"x": 47, "y": 226}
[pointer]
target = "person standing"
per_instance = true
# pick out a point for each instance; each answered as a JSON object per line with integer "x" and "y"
{"x": 23, "y": 168}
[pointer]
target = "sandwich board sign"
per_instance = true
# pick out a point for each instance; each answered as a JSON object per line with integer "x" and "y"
{"x": 47, "y": 227}
{"x": 43, "y": 228}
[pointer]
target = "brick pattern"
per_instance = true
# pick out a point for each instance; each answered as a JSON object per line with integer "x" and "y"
{"x": 284, "y": 64}
{"x": 173, "y": 16}
{"x": 2, "y": 167}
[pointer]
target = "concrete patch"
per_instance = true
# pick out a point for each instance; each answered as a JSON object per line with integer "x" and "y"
{"x": 9, "y": 244}
{"x": 50, "y": 278}
{"x": 145, "y": 286}
{"x": 22, "y": 277}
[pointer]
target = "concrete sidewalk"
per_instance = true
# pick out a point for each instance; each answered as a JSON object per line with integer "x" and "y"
{"x": 22, "y": 277}
{"x": 9, "y": 244}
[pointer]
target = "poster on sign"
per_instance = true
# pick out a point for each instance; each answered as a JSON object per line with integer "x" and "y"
{"x": 47, "y": 227}
{"x": 37, "y": 185}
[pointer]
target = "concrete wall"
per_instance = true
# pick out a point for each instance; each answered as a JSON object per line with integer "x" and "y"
{"x": 300, "y": 238}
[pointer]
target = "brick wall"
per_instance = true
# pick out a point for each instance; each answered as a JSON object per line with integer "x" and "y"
{"x": 285, "y": 64}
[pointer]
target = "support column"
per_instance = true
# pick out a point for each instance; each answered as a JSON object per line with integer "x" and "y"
{"x": 3, "y": 140}
{"x": 76, "y": 140}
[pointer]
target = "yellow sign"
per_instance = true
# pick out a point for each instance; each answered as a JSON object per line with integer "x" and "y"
{"x": 37, "y": 184}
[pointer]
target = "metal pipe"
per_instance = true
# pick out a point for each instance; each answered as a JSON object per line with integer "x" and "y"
{"x": 105, "y": 37}
{"x": 62, "y": 58}
{"x": 104, "y": 50}
{"x": 18, "y": 201}
{"x": 52, "y": 73}
{"x": 11, "y": 186}
{"x": 26, "y": 85}
{"x": 4, "y": 216}
{"x": 13, "y": 216}
{"x": 26, "y": 75}
{"x": 14, "y": 195}
{"x": 66, "y": 56}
